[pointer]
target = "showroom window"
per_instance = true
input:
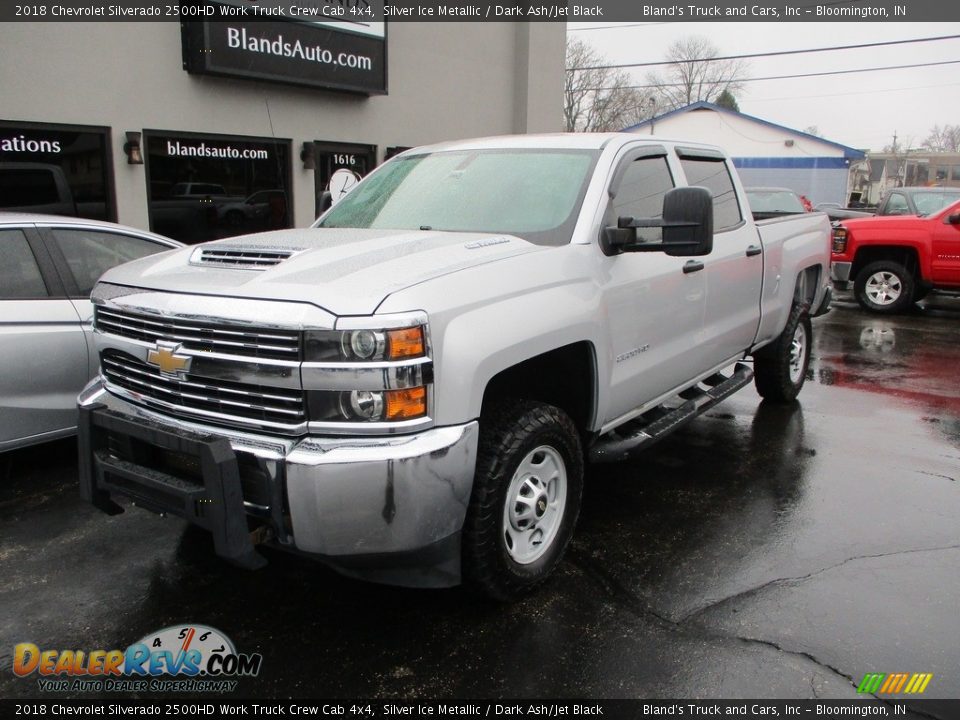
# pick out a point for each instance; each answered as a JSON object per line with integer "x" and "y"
{"x": 56, "y": 169}
{"x": 205, "y": 187}
{"x": 354, "y": 159}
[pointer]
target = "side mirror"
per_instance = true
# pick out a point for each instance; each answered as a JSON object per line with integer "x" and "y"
{"x": 954, "y": 219}
{"x": 687, "y": 223}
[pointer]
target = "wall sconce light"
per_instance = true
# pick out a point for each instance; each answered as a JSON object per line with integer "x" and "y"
{"x": 788, "y": 143}
{"x": 131, "y": 149}
{"x": 308, "y": 157}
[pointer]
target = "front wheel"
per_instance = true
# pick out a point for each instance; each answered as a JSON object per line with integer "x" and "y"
{"x": 780, "y": 368}
{"x": 525, "y": 500}
{"x": 884, "y": 287}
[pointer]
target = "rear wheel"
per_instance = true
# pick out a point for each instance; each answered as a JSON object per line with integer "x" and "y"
{"x": 780, "y": 369}
{"x": 884, "y": 286}
{"x": 525, "y": 500}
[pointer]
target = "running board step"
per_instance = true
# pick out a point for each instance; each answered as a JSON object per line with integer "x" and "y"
{"x": 616, "y": 447}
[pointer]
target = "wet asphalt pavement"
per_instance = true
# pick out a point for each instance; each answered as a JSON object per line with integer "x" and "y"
{"x": 761, "y": 551}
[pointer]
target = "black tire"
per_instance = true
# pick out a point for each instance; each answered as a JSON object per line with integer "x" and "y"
{"x": 885, "y": 287}
{"x": 780, "y": 368}
{"x": 512, "y": 433}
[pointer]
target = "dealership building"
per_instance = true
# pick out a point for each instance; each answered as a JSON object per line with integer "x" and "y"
{"x": 200, "y": 130}
{"x": 765, "y": 153}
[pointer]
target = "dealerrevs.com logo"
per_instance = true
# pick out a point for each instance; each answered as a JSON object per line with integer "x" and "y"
{"x": 181, "y": 658}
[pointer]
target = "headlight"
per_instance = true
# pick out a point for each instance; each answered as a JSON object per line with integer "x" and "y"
{"x": 367, "y": 405}
{"x": 368, "y": 371}
{"x": 364, "y": 345}
{"x": 839, "y": 239}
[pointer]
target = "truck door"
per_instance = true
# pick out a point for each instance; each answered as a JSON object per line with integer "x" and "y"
{"x": 733, "y": 271}
{"x": 654, "y": 308}
{"x": 945, "y": 264}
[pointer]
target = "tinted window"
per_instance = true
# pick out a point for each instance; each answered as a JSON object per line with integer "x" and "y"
{"x": 90, "y": 253}
{"x": 19, "y": 275}
{"x": 57, "y": 169}
{"x": 641, "y": 192}
{"x": 897, "y": 205}
{"x": 714, "y": 175}
{"x": 198, "y": 186}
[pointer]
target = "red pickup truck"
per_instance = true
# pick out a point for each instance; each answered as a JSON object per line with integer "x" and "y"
{"x": 896, "y": 260}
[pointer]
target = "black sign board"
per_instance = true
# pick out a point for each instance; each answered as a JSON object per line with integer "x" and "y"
{"x": 337, "y": 56}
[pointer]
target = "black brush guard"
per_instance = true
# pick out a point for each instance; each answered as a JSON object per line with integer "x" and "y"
{"x": 212, "y": 499}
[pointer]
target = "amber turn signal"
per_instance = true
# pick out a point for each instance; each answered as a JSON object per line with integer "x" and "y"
{"x": 406, "y": 404}
{"x": 405, "y": 343}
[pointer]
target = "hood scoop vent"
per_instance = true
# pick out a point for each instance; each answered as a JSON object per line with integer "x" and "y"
{"x": 241, "y": 258}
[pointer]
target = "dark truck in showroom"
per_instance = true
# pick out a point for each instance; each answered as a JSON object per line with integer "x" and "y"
{"x": 409, "y": 389}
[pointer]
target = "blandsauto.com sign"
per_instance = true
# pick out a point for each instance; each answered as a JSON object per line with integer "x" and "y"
{"x": 330, "y": 54}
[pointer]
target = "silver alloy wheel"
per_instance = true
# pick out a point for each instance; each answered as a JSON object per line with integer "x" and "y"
{"x": 798, "y": 351}
{"x": 883, "y": 288}
{"x": 535, "y": 503}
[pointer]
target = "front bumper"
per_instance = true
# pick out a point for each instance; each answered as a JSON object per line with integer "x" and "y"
{"x": 840, "y": 271}
{"x": 382, "y": 508}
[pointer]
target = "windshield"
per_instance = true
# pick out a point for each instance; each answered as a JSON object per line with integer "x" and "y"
{"x": 930, "y": 202}
{"x": 534, "y": 194}
{"x": 774, "y": 202}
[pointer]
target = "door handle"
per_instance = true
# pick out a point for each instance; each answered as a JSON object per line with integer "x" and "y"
{"x": 754, "y": 250}
{"x": 692, "y": 266}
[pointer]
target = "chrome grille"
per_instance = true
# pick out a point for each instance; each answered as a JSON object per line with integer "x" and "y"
{"x": 218, "y": 401}
{"x": 250, "y": 259}
{"x": 264, "y": 343}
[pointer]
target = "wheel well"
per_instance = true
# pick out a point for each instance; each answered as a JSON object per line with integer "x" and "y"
{"x": 807, "y": 283}
{"x": 564, "y": 377}
{"x": 903, "y": 255}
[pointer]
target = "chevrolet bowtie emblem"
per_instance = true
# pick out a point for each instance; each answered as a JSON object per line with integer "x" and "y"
{"x": 165, "y": 357}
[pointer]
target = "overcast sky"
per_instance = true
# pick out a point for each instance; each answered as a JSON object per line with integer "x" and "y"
{"x": 862, "y": 110}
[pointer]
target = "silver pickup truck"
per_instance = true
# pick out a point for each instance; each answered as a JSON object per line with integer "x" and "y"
{"x": 409, "y": 389}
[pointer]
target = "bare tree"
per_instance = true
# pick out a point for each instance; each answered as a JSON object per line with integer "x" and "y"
{"x": 900, "y": 163}
{"x": 945, "y": 139}
{"x": 695, "y": 74}
{"x": 598, "y": 98}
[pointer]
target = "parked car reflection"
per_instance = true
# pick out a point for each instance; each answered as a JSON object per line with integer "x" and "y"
{"x": 263, "y": 210}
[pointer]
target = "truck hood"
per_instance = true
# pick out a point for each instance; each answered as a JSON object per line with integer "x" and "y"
{"x": 343, "y": 271}
{"x": 885, "y": 222}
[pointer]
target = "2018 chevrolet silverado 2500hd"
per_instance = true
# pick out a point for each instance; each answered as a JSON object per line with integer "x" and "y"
{"x": 410, "y": 388}
{"x": 895, "y": 261}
